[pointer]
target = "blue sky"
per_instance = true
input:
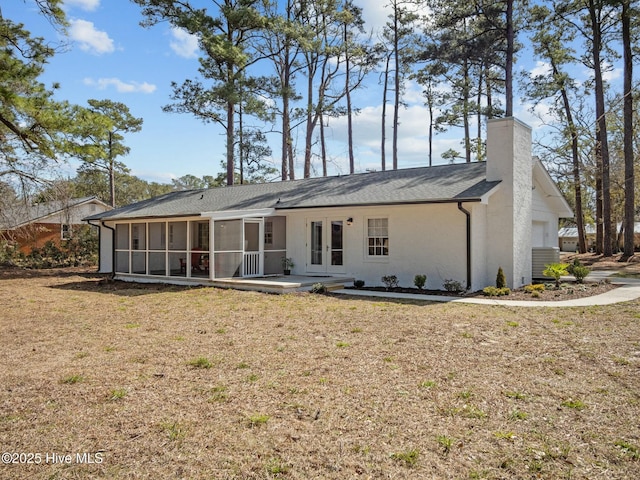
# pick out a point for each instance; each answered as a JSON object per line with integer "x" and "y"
{"x": 109, "y": 56}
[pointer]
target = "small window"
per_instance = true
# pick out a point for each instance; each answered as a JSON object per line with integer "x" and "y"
{"x": 268, "y": 233}
{"x": 378, "y": 237}
{"x": 66, "y": 232}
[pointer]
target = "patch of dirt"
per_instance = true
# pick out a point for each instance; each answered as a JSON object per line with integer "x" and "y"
{"x": 623, "y": 266}
{"x": 567, "y": 291}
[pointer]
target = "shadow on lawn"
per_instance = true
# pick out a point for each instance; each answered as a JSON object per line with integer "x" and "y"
{"x": 100, "y": 284}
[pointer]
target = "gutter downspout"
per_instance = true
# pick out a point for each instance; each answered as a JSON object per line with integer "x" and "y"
{"x": 468, "y": 215}
{"x": 113, "y": 248}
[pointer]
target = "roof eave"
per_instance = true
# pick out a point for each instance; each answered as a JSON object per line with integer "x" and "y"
{"x": 382, "y": 204}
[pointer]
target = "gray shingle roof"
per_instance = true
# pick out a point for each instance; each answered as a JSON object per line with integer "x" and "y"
{"x": 444, "y": 183}
{"x": 19, "y": 214}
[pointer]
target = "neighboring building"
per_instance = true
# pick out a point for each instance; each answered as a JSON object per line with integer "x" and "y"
{"x": 568, "y": 237}
{"x": 458, "y": 222}
{"x": 31, "y": 226}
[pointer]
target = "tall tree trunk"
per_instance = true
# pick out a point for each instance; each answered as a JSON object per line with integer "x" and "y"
{"x": 323, "y": 147}
{"x": 292, "y": 175}
{"x": 508, "y": 79}
{"x": 465, "y": 113}
{"x": 602, "y": 144}
{"x": 347, "y": 89}
{"x": 309, "y": 129}
{"x": 577, "y": 188}
{"x": 286, "y": 139}
{"x": 430, "y": 107}
{"x": 383, "y": 134}
{"x": 479, "y": 115}
{"x": 230, "y": 140}
{"x": 286, "y": 120}
{"x": 629, "y": 194}
{"x": 241, "y": 148}
{"x": 396, "y": 102}
{"x": 112, "y": 173}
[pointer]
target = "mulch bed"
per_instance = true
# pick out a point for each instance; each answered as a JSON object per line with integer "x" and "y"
{"x": 567, "y": 291}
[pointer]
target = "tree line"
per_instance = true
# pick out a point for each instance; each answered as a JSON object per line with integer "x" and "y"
{"x": 285, "y": 68}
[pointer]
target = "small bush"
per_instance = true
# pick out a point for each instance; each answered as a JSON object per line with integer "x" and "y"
{"x": 580, "y": 272}
{"x": 555, "y": 271}
{"x": 496, "y": 292}
{"x": 318, "y": 288}
{"x": 501, "y": 280}
{"x": 574, "y": 264}
{"x": 537, "y": 287}
{"x": 358, "y": 283}
{"x": 452, "y": 285}
{"x": 419, "y": 281}
{"x": 390, "y": 281}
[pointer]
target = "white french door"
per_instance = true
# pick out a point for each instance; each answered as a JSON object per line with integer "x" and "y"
{"x": 325, "y": 245}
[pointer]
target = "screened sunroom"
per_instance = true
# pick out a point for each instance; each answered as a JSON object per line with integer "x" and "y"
{"x": 201, "y": 248}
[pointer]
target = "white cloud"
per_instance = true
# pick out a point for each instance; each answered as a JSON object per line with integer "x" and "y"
{"x": 90, "y": 39}
{"x": 541, "y": 69}
{"x": 120, "y": 86}
{"x": 184, "y": 44}
{"x": 87, "y": 5}
{"x": 376, "y": 14}
{"x": 612, "y": 74}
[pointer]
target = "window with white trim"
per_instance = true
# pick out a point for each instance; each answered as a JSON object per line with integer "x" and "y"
{"x": 268, "y": 232}
{"x": 65, "y": 232}
{"x": 378, "y": 237}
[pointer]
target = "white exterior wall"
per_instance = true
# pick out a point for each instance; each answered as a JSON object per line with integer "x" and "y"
{"x": 480, "y": 275}
{"x": 423, "y": 239}
{"x": 106, "y": 250}
{"x": 545, "y": 221}
{"x": 509, "y": 213}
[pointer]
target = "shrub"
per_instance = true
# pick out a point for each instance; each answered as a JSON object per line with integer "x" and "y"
{"x": 575, "y": 263}
{"x": 495, "y": 291}
{"x": 390, "y": 281}
{"x": 318, "y": 288}
{"x": 580, "y": 272}
{"x": 81, "y": 249}
{"x": 501, "y": 280}
{"x": 419, "y": 281}
{"x": 537, "y": 287}
{"x": 358, "y": 283}
{"x": 555, "y": 270}
{"x": 452, "y": 285}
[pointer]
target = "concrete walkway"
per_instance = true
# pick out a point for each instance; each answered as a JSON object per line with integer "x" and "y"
{"x": 629, "y": 289}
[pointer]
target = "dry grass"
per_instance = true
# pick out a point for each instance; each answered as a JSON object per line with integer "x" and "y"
{"x": 201, "y": 383}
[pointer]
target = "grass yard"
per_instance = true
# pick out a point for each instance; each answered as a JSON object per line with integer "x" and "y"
{"x": 170, "y": 382}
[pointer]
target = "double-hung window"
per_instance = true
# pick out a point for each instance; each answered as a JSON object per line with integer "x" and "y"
{"x": 378, "y": 237}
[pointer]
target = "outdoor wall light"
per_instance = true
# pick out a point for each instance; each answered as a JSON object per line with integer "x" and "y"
{"x": 349, "y": 220}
